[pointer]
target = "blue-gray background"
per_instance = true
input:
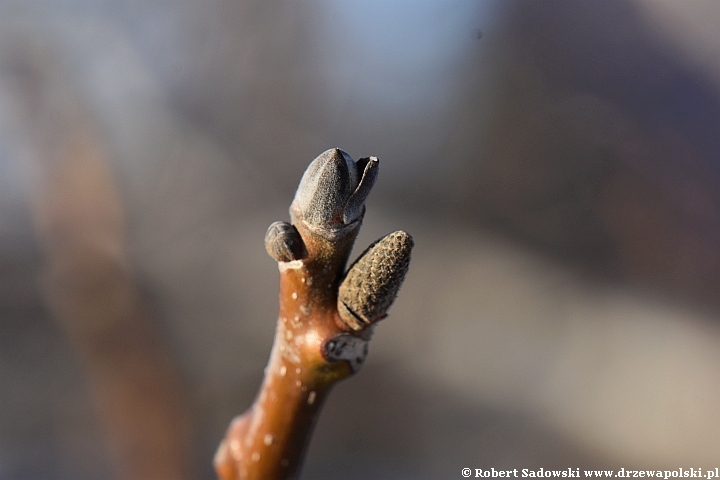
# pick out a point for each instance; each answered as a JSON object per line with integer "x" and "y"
{"x": 556, "y": 163}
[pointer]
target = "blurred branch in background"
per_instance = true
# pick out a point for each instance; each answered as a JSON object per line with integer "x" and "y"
{"x": 88, "y": 284}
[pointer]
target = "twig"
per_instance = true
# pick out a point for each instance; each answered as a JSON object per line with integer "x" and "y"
{"x": 326, "y": 318}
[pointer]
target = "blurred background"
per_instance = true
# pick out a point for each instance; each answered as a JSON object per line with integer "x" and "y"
{"x": 555, "y": 162}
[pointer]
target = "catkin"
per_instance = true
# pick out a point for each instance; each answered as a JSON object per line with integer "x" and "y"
{"x": 373, "y": 281}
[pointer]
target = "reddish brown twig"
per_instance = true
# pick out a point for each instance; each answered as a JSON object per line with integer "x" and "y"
{"x": 320, "y": 338}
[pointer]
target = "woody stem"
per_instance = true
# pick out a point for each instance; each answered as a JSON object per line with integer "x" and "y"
{"x": 270, "y": 439}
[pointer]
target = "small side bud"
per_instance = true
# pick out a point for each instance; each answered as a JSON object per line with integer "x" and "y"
{"x": 372, "y": 282}
{"x": 284, "y": 243}
{"x": 347, "y": 347}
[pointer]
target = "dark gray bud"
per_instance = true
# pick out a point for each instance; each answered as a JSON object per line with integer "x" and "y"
{"x": 372, "y": 282}
{"x": 284, "y": 243}
{"x": 332, "y": 192}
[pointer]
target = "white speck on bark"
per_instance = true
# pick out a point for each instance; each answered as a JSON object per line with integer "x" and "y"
{"x": 294, "y": 265}
{"x": 235, "y": 449}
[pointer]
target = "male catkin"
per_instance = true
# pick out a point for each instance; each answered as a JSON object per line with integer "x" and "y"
{"x": 372, "y": 282}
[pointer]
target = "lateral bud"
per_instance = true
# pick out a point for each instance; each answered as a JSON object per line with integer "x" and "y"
{"x": 373, "y": 281}
{"x": 347, "y": 347}
{"x": 284, "y": 243}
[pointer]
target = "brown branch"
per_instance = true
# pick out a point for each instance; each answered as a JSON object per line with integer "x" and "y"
{"x": 89, "y": 287}
{"x": 320, "y": 338}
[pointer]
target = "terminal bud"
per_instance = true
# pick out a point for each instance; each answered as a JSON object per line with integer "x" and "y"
{"x": 331, "y": 196}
